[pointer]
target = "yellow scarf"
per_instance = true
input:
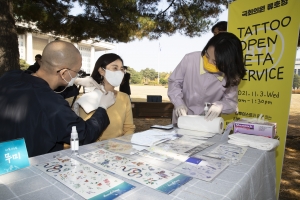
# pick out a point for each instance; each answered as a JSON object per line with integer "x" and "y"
{"x": 209, "y": 67}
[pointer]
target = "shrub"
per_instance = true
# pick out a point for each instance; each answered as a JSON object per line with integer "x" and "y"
{"x": 23, "y": 64}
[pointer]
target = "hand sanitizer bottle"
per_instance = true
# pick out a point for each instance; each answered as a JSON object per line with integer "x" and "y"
{"x": 206, "y": 108}
{"x": 74, "y": 142}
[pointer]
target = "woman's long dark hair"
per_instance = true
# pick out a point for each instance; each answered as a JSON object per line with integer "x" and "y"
{"x": 102, "y": 62}
{"x": 229, "y": 57}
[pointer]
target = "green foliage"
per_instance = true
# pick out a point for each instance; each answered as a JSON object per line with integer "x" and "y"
{"x": 163, "y": 75}
{"x": 149, "y": 75}
{"x": 23, "y": 64}
{"x": 163, "y": 78}
{"x": 163, "y": 81}
{"x": 135, "y": 77}
{"x": 296, "y": 81}
{"x": 102, "y": 20}
{"x": 120, "y": 21}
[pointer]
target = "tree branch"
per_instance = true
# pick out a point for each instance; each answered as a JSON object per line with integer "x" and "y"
{"x": 100, "y": 11}
{"x": 183, "y": 13}
{"x": 54, "y": 8}
{"x": 166, "y": 9}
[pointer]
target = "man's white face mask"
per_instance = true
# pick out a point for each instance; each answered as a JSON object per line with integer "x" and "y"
{"x": 71, "y": 82}
{"x": 114, "y": 77}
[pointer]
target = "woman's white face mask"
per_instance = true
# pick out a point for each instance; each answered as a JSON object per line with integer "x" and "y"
{"x": 114, "y": 77}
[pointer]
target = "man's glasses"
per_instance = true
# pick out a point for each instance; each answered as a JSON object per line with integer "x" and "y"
{"x": 79, "y": 73}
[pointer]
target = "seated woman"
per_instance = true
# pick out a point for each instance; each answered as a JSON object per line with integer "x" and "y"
{"x": 109, "y": 72}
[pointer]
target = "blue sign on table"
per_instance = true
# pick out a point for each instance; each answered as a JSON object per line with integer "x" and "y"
{"x": 13, "y": 156}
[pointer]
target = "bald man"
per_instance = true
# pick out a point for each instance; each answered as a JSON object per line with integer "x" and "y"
{"x": 30, "y": 109}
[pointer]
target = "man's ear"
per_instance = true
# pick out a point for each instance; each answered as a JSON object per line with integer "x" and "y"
{"x": 62, "y": 73}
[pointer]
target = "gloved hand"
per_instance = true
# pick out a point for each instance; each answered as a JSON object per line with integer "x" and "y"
{"x": 181, "y": 111}
{"x": 87, "y": 82}
{"x": 107, "y": 100}
{"x": 213, "y": 112}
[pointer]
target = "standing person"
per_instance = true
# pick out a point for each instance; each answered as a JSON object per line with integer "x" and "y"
{"x": 109, "y": 73}
{"x": 33, "y": 68}
{"x": 219, "y": 27}
{"x": 212, "y": 76}
{"x": 30, "y": 109}
{"x": 125, "y": 85}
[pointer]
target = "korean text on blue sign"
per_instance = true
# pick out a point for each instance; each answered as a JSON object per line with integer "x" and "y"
{"x": 13, "y": 156}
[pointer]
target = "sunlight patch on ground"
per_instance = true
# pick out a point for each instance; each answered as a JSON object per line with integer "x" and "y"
{"x": 285, "y": 182}
{"x": 290, "y": 150}
{"x": 294, "y": 173}
{"x": 289, "y": 157}
{"x": 295, "y": 192}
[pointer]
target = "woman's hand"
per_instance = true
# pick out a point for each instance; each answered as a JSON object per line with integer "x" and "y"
{"x": 181, "y": 111}
{"x": 213, "y": 112}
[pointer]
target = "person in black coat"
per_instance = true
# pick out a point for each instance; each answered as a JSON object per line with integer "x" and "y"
{"x": 31, "y": 109}
{"x": 125, "y": 85}
{"x": 36, "y": 65}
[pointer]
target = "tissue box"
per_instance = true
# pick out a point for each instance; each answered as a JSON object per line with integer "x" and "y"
{"x": 267, "y": 129}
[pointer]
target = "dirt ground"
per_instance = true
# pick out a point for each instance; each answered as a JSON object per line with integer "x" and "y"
{"x": 290, "y": 180}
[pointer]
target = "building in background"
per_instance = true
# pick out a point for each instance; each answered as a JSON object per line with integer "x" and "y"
{"x": 31, "y": 44}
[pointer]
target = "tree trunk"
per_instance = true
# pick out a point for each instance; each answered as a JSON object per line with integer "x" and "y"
{"x": 9, "y": 51}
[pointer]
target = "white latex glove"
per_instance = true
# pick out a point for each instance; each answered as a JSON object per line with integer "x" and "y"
{"x": 87, "y": 82}
{"x": 213, "y": 112}
{"x": 237, "y": 110}
{"x": 107, "y": 100}
{"x": 181, "y": 111}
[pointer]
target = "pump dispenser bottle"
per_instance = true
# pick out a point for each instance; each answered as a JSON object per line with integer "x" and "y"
{"x": 74, "y": 142}
{"x": 206, "y": 108}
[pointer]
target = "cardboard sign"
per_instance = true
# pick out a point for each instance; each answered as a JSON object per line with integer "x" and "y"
{"x": 13, "y": 156}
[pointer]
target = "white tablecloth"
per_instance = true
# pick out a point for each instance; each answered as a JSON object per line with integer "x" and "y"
{"x": 254, "y": 178}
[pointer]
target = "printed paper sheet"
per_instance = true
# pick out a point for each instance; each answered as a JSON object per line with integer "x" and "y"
{"x": 153, "y": 155}
{"x": 85, "y": 180}
{"x": 181, "y": 147}
{"x": 205, "y": 169}
{"x": 228, "y": 152}
{"x": 149, "y": 137}
{"x": 157, "y": 178}
{"x": 119, "y": 147}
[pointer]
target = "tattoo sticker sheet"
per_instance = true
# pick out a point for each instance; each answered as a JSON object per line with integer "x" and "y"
{"x": 200, "y": 168}
{"x": 85, "y": 180}
{"x": 119, "y": 147}
{"x": 157, "y": 178}
{"x": 228, "y": 152}
{"x": 149, "y": 137}
{"x": 182, "y": 147}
